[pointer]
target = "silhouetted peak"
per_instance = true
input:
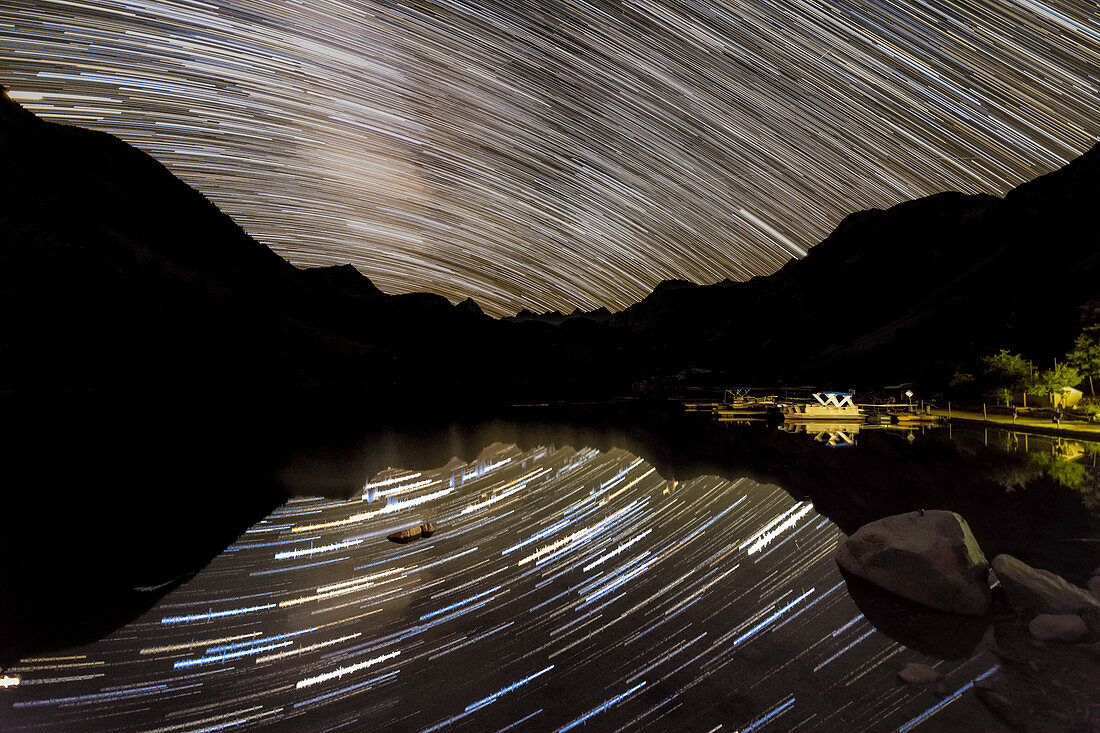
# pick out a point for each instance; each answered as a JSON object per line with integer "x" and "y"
{"x": 424, "y": 301}
{"x": 556, "y": 318}
{"x": 664, "y": 288}
{"x": 341, "y": 279}
{"x": 11, "y": 112}
{"x": 1072, "y": 184}
{"x": 470, "y": 305}
{"x": 938, "y": 205}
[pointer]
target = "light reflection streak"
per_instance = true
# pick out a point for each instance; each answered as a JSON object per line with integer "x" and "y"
{"x": 626, "y": 603}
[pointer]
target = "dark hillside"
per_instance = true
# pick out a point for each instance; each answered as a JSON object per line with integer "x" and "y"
{"x": 120, "y": 278}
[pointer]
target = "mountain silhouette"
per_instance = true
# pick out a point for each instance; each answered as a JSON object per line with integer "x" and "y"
{"x": 118, "y": 277}
{"x": 914, "y": 290}
{"x": 556, "y": 318}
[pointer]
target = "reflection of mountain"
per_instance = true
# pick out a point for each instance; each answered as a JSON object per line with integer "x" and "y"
{"x": 120, "y": 277}
{"x": 560, "y": 578}
{"x": 99, "y": 500}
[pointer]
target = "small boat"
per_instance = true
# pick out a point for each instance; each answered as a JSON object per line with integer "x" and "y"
{"x": 880, "y": 418}
{"x": 405, "y": 536}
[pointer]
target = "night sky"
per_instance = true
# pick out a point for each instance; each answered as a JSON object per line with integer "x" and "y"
{"x": 557, "y": 154}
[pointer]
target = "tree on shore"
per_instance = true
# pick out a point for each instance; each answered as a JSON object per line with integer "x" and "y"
{"x": 1050, "y": 382}
{"x": 1005, "y": 373}
{"x": 1085, "y": 356}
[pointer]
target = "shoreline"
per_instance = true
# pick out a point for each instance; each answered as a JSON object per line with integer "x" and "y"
{"x": 1068, "y": 429}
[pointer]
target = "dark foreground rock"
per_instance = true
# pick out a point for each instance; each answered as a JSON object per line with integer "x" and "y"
{"x": 1044, "y": 687}
{"x": 929, "y": 557}
{"x": 1063, "y": 627}
{"x": 1032, "y": 591}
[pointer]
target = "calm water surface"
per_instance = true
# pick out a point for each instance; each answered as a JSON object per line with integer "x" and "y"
{"x": 565, "y": 588}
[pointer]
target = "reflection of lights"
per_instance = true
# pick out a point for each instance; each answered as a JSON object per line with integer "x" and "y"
{"x": 405, "y": 488}
{"x": 310, "y": 648}
{"x": 579, "y": 534}
{"x": 770, "y": 715}
{"x": 948, "y": 700}
{"x": 614, "y": 552}
{"x": 336, "y": 673}
{"x": 229, "y": 655}
{"x": 361, "y": 517}
{"x": 768, "y": 527}
{"x": 390, "y": 481}
{"x": 601, "y": 708}
{"x": 346, "y": 588}
{"x": 850, "y": 645}
{"x": 215, "y": 614}
{"x": 193, "y": 644}
{"x": 406, "y": 503}
{"x": 772, "y": 534}
{"x": 456, "y": 604}
{"x": 310, "y": 551}
{"x": 771, "y": 618}
{"x": 507, "y": 490}
{"x": 493, "y": 698}
{"x": 359, "y": 581}
{"x": 666, "y": 579}
{"x": 7, "y": 681}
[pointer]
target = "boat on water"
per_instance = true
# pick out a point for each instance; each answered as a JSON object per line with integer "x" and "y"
{"x": 405, "y": 536}
{"x": 742, "y": 406}
{"x": 409, "y": 534}
{"x": 835, "y": 406}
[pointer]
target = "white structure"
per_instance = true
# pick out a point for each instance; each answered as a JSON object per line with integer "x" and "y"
{"x": 830, "y": 406}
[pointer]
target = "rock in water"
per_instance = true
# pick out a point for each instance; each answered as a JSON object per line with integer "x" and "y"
{"x": 1033, "y": 591}
{"x": 1065, "y": 627}
{"x": 931, "y": 558}
{"x": 919, "y": 674}
{"x": 1094, "y": 586}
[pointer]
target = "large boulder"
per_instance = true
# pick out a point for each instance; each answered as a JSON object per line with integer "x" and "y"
{"x": 929, "y": 557}
{"x": 1032, "y": 591}
{"x": 1067, "y": 627}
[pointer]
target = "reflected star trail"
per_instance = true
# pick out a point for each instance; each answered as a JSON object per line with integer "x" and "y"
{"x": 550, "y": 154}
{"x": 562, "y": 588}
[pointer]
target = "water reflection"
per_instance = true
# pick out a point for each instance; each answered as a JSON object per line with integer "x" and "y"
{"x": 1072, "y": 463}
{"x": 562, "y": 587}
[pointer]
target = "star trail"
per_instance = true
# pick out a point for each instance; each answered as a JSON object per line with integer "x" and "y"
{"x": 590, "y": 592}
{"x": 558, "y": 154}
